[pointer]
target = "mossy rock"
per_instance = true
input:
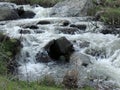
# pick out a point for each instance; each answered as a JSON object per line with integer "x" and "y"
{"x": 9, "y": 48}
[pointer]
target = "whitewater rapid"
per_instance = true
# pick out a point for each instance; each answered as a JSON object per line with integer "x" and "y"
{"x": 104, "y": 65}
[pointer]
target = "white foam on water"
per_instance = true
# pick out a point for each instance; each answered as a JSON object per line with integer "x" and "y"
{"x": 33, "y": 43}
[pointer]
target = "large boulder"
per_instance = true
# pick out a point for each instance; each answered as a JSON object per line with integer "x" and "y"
{"x": 25, "y": 14}
{"x": 8, "y": 12}
{"x": 71, "y": 8}
{"x": 60, "y": 49}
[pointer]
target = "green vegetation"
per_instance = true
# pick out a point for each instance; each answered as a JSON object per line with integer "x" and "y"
{"x": 8, "y": 49}
{"x": 6, "y": 84}
{"x": 111, "y": 16}
{"x": 108, "y": 11}
{"x": 87, "y": 88}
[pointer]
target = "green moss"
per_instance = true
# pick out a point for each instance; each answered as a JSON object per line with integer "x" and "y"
{"x": 8, "y": 50}
{"x": 9, "y": 47}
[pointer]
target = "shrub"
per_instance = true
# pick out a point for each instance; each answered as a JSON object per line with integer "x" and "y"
{"x": 111, "y": 16}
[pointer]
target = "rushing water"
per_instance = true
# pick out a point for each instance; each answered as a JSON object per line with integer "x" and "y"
{"x": 102, "y": 52}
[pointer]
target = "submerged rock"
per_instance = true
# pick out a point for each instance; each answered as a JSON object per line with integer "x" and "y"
{"x": 32, "y": 27}
{"x": 24, "y": 32}
{"x": 71, "y": 8}
{"x": 80, "y": 59}
{"x": 43, "y": 57}
{"x": 68, "y": 30}
{"x": 59, "y": 49}
{"x": 79, "y": 26}
{"x": 101, "y": 53}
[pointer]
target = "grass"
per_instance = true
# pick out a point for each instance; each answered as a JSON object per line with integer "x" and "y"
{"x": 111, "y": 16}
{"x": 110, "y": 11}
{"x": 6, "y": 84}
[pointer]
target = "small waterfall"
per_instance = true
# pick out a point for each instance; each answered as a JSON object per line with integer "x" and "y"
{"x": 101, "y": 52}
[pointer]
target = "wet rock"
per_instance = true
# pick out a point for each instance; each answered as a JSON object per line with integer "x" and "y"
{"x": 59, "y": 49}
{"x": 25, "y": 14}
{"x": 96, "y": 53}
{"x": 8, "y": 14}
{"x": 11, "y": 49}
{"x": 70, "y": 80}
{"x": 43, "y": 22}
{"x": 110, "y": 30}
{"x": 24, "y": 32}
{"x": 80, "y": 59}
{"x": 43, "y": 57}
{"x": 65, "y": 23}
{"x": 35, "y": 5}
{"x": 71, "y": 8}
{"x": 81, "y": 27}
{"x": 32, "y": 27}
{"x": 38, "y": 31}
{"x": 84, "y": 44}
{"x": 68, "y": 30}
{"x": 12, "y": 63}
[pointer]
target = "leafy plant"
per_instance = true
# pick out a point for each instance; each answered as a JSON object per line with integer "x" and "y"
{"x": 111, "y": 16}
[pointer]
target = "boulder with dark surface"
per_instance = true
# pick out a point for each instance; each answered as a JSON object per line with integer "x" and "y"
{"x": 59, "y": 49}
{"x": 65, "y": 23}
{"x": 44, "y": 22}
{"x": 110, "y": 30}
{"x": 25, "y": 14}
{"x": 71, "y": 8}
{"x": 79, "y": 26}
{"x": 24, "y": 32}
{"x": 32, "y": 27}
